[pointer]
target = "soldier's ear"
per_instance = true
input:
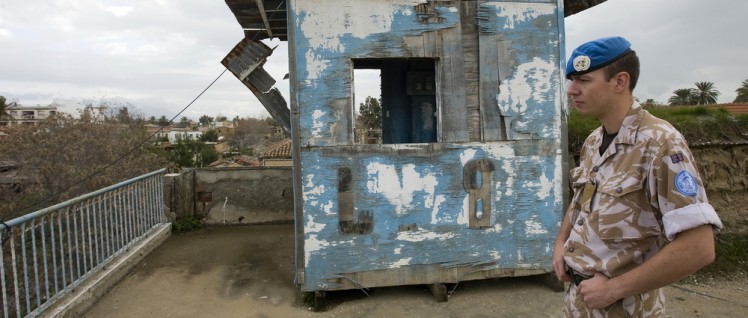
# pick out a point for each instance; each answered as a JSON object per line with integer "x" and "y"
{"x": 622, "y": 81}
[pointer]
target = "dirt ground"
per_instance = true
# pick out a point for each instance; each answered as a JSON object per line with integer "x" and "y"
{"x": 247, "y": 272}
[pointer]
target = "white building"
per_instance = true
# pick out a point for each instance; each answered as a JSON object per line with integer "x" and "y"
{"x": 176, "y": 134}
{"x": 28, "y": 115}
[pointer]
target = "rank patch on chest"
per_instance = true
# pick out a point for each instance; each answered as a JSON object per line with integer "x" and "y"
{"x": 686, "y": 183}
{"x": 676, "y": 158}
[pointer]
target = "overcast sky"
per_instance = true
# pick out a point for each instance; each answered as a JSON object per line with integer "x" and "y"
{"x": 158, "y": 55}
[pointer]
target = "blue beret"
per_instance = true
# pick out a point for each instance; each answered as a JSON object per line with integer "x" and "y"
{"x": 596, "y": 54}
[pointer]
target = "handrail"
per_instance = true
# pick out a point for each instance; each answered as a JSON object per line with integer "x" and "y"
{"x": 47, "y": 253}
{"x": 25, "y": 218}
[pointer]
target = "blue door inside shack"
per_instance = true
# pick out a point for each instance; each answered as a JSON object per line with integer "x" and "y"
{"x": 466, "y": 179}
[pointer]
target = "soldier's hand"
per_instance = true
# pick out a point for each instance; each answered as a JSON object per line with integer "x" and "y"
{"x": 559, "y": 265}
{"x": 596, "y": 293}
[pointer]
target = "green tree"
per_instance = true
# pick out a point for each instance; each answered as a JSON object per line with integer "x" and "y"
{"x": 4, "y": 114}
{"x": 370, "y": 113}
{"x": 706, "y": 93}
{"x": 742, "y": 93}
{"x": 152, "y": 120}
{"x": 163, "y": 121}
{"x": 210, "y": 135}
{"x": 682, "y": 97}
{"x": 184, "y": 122}
{"x": 205, "y": 120}
{"x": 192, "y": 153}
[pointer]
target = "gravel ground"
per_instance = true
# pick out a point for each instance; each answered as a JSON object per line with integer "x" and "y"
{"x": 247, "y": 272}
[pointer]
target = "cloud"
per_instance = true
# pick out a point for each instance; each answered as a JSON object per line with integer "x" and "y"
{"x": 679, "y": 42}
{"x": 119, "y": 11}
{"x": 159, "y": 55}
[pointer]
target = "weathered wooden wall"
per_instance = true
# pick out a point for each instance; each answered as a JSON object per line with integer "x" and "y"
{"x": 485, "y": 200}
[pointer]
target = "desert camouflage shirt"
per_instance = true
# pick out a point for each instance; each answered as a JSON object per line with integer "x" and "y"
{"x": 629, "y": 202}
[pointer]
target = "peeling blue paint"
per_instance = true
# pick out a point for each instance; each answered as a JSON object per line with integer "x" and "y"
{"x": 414, "y": 194}
{"x": 521, "y": 219}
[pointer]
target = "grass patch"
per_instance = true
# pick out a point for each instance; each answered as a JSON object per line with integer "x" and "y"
{"x": 698, "y": 124}
{"x": 186, "y": 224}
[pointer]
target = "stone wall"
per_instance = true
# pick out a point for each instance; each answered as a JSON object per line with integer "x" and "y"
{"x": 231, "y": 196}
{"x": 724, "y": 171}
{"x": 723, "y": 168}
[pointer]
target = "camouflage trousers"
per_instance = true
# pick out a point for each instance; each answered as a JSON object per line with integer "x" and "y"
{"x": 649, "y": 304}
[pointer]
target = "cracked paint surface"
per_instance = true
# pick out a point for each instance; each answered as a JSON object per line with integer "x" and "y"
{"x": 401, "y": 188}
{"x": 515, "y": 14}
{"x": 418, "y": 205}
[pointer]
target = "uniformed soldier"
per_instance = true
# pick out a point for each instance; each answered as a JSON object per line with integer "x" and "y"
{"x": 639, "y": 219}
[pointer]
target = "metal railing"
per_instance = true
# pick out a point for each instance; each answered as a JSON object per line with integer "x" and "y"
{"x": 47, "y": 253}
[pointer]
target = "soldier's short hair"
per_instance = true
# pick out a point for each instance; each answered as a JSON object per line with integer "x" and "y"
{"x": 628, "y": 63}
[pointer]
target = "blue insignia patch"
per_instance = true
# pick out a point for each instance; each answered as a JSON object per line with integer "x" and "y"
{"x": 686, "y": 183}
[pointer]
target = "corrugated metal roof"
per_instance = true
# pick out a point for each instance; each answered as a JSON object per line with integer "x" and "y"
{"x": 576, "y": 6}
{"x": 261, "y": 19}
{"x": 245, "y": 61}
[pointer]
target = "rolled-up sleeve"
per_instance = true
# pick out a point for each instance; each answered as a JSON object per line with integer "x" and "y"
{"x": 680, "y": 191}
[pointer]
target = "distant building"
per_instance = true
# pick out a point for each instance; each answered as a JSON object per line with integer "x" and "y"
{"x": 159, "y": 131}
{"x": 278, "y": 155}
{"x": 28, "y": 115}
{"x": 176, "y": 134}
{"x": 224, "y": 129}
{"x": 732, "y": 108}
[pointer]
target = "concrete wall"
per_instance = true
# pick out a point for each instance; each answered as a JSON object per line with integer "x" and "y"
{"x": 231, "y": 196}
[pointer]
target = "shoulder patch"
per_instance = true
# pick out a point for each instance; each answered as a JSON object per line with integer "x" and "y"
{"x": 686, "y": 183}
{"x": 676, "y": 158}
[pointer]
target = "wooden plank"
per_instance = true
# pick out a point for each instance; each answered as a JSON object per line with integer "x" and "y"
{"x": 472, "y": 66}
{"x": 494, "y": 55}
{"x": 261, "y": 8}
{"x": 418, "y": 274}
{"x": 299, "y": 257}
{"x": 453, "y": 87}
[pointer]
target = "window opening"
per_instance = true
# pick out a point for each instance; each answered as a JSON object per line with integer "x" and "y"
{"x": 367, "y": 109}
{"x": 407, "y": 103}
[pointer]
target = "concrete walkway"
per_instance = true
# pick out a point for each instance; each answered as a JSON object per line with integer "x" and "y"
{"x": 247, "y": 271}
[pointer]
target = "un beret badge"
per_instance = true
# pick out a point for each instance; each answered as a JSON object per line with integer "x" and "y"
{"x": 582, "y": 63}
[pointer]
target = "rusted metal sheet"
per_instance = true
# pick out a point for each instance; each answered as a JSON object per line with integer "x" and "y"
{"x": 261, "y": 19}
{"x": 245, "y": 61}
{"x": 576, "y": 6}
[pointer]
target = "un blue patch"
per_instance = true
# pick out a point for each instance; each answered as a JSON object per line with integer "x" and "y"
{"x": 686, "y": 183}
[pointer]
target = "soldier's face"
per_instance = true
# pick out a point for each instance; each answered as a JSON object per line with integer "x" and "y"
{"x": 591, "y": 93}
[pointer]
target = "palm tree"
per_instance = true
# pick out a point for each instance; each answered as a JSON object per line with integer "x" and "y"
{"x": 681, "y": 96}
{"x": 706, "y": 93}
{"x": 742, "y": 93}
